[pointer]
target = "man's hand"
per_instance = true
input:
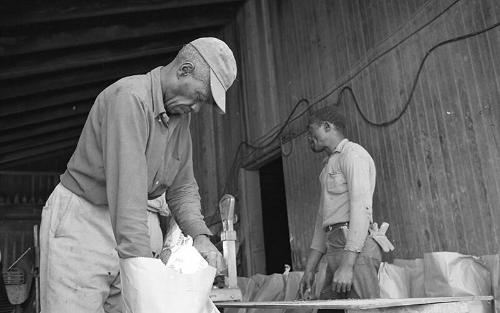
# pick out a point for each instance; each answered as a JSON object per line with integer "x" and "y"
{"x": 342, "y": 279}
{"x": 305, "y": 286}
{"x": 207, "y": 250}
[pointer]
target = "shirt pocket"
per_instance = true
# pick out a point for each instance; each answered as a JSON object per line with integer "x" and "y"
{"x": 336, "y": 183}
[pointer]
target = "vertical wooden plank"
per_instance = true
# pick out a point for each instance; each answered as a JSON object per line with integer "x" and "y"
{"x": 400, "y": 132}
{"x": 434, "y": 233}
{"x": 416, "y": 209}
{"x": 251, "y": 222}
{"x": 447, "y": 129}
{"x": 326, "y": 53}
{"x": 466, "y": 182}
{"x": 430, "y": 162}
{"x": 484, "y": 80}
{"x": 490, "y": 115}
{"x": 379, "y": 150}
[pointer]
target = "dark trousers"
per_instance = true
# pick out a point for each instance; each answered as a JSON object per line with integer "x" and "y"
{"x": 365, "y": 272}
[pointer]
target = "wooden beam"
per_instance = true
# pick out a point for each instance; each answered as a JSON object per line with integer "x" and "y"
{"x": 99, "y": 57}
{"x": 41, "y": 140}
{"x": 80, "y": 60}
{"x": 36, "y": 102}
{"x": 23, "y": 120}
{"x": 62, "y": 15}
{"x": 61, "y": 38}
{"x": 22, "y": 133}
{"x": 102, "y": 76}
{"x": 38, "y": 157}
{"x": 30, "y": 152}
{"x": 350, "y": 304}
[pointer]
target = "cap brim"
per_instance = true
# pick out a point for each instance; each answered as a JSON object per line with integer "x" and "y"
{"x": 218, "y": 92}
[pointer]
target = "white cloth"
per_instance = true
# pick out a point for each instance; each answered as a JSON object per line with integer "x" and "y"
{"x": 148, "y": 285}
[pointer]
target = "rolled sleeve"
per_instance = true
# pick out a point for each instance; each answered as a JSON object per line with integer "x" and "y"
{"x": 357, "y": 171}
{"x": 319, "y": 241}
{"x": 183, "y": 197}
{"x": 124, "y": 138}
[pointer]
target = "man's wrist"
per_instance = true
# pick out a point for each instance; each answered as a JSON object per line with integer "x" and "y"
{"x": 348, "y": 259}
{"x": 310, "y": 270}
{"x": 201, "y": 237}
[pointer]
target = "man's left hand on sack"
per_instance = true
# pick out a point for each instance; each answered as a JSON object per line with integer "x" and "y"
{"x": 207, "y": 250}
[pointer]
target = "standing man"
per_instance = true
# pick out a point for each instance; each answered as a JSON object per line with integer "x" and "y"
{"x": 135, "y": 145}
{"x": 344, "y": 215}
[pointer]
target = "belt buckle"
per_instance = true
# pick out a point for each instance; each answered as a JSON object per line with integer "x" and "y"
{"x": 336, "y": 225}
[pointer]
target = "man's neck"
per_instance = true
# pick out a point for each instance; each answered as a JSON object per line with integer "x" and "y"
{"x": 164, "y": 80}
{"x": 334, "y": 142}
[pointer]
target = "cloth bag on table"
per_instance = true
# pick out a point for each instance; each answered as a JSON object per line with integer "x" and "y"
{"x": 182, "y": 285}
{"x": 451, "y": 274}
{"x": 415, "y": 269}
{"x": 394, "y": 281}
{"x": 492, "y": 262}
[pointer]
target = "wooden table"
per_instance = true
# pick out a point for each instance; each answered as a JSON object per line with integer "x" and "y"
{"x": 410, "y": 305}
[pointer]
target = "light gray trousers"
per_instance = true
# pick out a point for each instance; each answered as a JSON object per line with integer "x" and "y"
{"x": 365, "y": 272}
{"x": 79, "y": 266}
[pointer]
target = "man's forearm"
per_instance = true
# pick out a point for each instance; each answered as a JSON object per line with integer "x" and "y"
{"x": 313, "y": 260}
{"x": 360, "y": 217}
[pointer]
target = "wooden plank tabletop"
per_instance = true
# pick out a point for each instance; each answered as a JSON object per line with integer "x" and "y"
{"x": 358, "y": 304}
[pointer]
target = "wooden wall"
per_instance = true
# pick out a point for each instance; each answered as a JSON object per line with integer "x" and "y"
{"x": 438, "y": 181}
{"x": 438, "y": 167}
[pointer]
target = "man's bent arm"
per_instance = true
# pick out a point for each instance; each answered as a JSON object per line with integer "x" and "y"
{"x": 183, "y": 197}
{"x": 124, "y": 138}
{"x": 357, "y": 172}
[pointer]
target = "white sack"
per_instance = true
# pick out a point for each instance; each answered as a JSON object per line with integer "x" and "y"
{"x": 415, "y": 269}
{"x": 451, "y": 274}
{"x": 183, "y": 285}
{"x": 492, "y": 262}
{"x": 394, "y": 281}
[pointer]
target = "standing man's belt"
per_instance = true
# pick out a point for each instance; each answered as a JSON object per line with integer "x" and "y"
{"x": 335, "y": 226}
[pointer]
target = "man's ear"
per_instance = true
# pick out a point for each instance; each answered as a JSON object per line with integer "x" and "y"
{"x": 186, "y": 68}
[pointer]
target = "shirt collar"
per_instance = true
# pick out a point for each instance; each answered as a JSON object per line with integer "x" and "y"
{"x": 157, "y": 96}
{"x": 341, "y": 145}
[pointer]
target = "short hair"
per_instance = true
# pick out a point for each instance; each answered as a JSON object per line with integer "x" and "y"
{"x": 188, "y": 53}
{"x": 328, "y": 114}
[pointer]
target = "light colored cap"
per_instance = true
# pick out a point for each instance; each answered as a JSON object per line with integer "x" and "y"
{"x": 222, "y": 65}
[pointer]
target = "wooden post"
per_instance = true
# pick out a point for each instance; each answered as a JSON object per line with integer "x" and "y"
{"x": 231, "y": 292}
{"x": 228, "y": 237}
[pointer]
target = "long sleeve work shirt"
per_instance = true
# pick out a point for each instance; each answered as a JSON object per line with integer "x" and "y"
{"x": 347, "y": 186}
{"x": 131, "y": 151}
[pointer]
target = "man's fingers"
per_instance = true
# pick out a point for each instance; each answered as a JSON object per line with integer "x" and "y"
{"x": 304, "y": 288}
{"x": 344, "y": 287}
{"x": 221, "y": 264}
{"x": 300, "y": 292}
{"x": 338, "y": 287}
{"x": 212, "y": 258}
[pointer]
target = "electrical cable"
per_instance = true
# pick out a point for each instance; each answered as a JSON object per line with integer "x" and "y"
{"x": 292, "y": 118}
{"x": 283, "y": 153}
{"x": 414, "y": 84}
{"x": 351, "y": 77}
{"x": 263, "y": 145}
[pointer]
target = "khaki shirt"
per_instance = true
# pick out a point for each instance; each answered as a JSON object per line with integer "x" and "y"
{"x": 347, "y": 185}
{"x": 127, "y": 154}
